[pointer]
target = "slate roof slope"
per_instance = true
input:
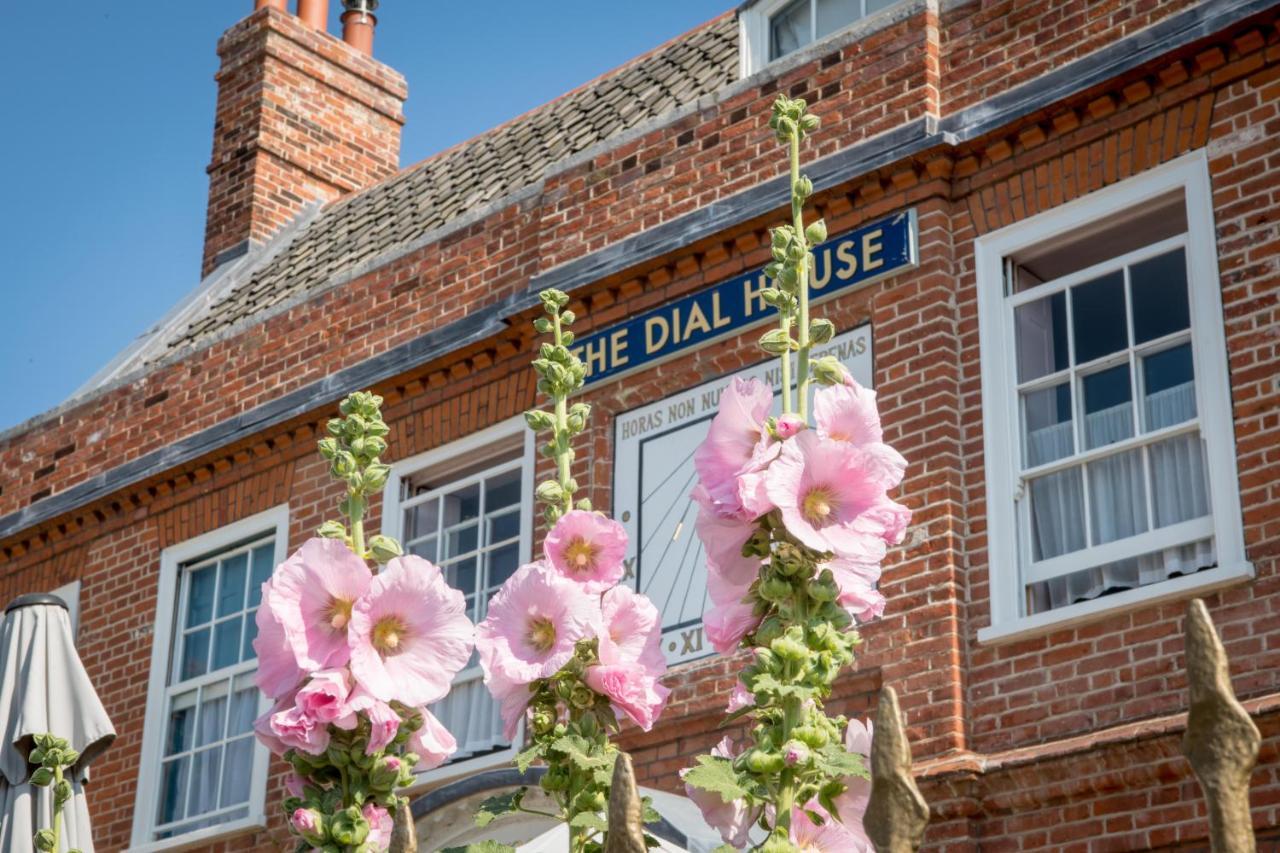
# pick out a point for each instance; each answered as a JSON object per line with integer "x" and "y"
{"x": 481, "y": 170}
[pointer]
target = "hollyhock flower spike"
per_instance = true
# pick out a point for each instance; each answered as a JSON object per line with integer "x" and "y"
{"x": 313, "y": 593}
{"x": 350, "y": 654}
{"x": 800, "y": 568}
{"x": 587, "y": 548}
{"x": 410, "y": 635}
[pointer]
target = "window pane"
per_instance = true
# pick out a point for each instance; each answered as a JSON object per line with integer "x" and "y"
{"x": 462, "y": 505}
{"x": 421, "y": 520}
{"x": 426, "y": 549}
{"x": 1160, "y": 296}
{"x": 204, "y": 781}
{"x": 173, "y": 785}
{"x": 505, "y": 526}
{"x": 1168, "y": 380}
{"x": 195, "y": 655}
{"x": 231, "y": 592}
{"x": 462, "y": 541}
{"x": 1047, "y": 419}
{"x": 213, "y": 719}
{"x": 264, "y": 558}
{"x": 1117, "y": 497}
{"x": 1042, "y": 336}
{"x": 1179, "y": 480}
{"x": 244, "y": 707}
{"x": 462, "y": 575}
{"x": 1121, "y": 575}
{"x": 502, "y": 491}
{"x": 250, "y": 634}
{"x": 789, "y": 29}
{"x": 1097, "y": 309}
{"x": 1057, "y": 514}
{"x": 834, "y": 14}
{"x": 236, "y": 776}
{"x": 200, "y": 596}
{"x": 1108, "y": 407}
{"x": 226, "y": 642}
{"x": 502, "y": 564}
{"x": 181, "y": 736}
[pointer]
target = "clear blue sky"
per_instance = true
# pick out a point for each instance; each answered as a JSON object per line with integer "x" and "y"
{"x": 108, "y": 115}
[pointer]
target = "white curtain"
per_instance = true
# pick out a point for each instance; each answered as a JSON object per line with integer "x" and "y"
{"x": 1118, "y": 499}
{"x": 472, "y": 716}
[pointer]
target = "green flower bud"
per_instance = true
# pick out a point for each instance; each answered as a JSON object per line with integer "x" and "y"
{"x": 812, "y": 736}
{"x": 384, "y": 548}
{"x": 349, "y": 827}
{"x": 788, "y": 648}
{"x": 333, "y": 530}
{"x": 542, "y": 325}
{"x": 549, "y": 491}
{"x": 62, "y": 791}
{"x": 328, "y": 447}
{"x": 775, "y": 589}
{"x": 828, "y": 370}
{"x": 776, "y": 341}
{"x": 823, "y": 590}
{"x": 567, "y": 318}
{"x": 584, "y": 505}
{"x": 582, "y": 697}
{"x": 539, "y": 420}
{"x": 42, "y": 777}
{"x": 44, "y": 840}
{"x": 375, "y": 476}
{"x": 821, "y": 331}
{"x": 804, "y": 186}
{"x": 759, "y": 761}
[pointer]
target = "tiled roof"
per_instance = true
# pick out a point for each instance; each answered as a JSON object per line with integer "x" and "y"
{"x": 495, "y": 164}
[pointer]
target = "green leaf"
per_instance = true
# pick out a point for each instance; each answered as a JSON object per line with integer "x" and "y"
{"x": 501, "y": 805}
{"x": 481, "y": 847}
{"x": 578, "y": 750}
{"x": 717, "y": 776}
{"x": 525, "y": 758}
{"x": 589, "y": 820}
{"x": 834, "y": 760}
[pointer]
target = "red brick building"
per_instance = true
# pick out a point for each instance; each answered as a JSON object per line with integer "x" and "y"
{"x": 1055, "y": 254}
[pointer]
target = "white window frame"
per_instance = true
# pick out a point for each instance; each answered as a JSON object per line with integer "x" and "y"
{"x": 1002, "y": 439}
{"x": 753, "y": 33}
{"x": 274, "y": 522}
{"x": 393, "y": 524}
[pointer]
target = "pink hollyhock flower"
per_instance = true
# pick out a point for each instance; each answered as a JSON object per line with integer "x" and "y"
{"x": 732, "y": 820}
{"x": 380, "y": 826}
{"x": 752, "y": 491}
{"x": 313, "y": 595}
{"x": 308, "y": 824}
{"x": 286, "y": 726}
{"x": 588, "y": 548}
{"x": 848, "y": 413}
{"x": 832, "y": 837}
{"x": 324, "y": 698}
{"x": 789, "y": 424}
{"x": 634, "y": 628}
{"x": 852, "y": 804}
{"x": 857, "y": 582}
{"x": 410, "y": 635}
{"x": 729, "y": 574}
{"x": 433, "y": 743}
{"x": 740, "y": 697}
{"x": 832, "y": 496}
{"x": 630, "y": 689}
{"x": 293, "y": 785}
{"x": 726, "y": 624}
{"x": 384, "y": 722}
{"x": 278, "y": 671}
{"x": 731, "y": 441}
{"x": 534, "y": 621}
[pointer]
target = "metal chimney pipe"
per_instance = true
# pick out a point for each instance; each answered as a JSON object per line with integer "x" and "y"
{"x": 282, "y": 5}
{"x": 358, "y": 23}
{"x": 315, "y": 14}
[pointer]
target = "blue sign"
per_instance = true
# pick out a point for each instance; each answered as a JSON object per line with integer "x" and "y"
{"x": 865, "y": 254}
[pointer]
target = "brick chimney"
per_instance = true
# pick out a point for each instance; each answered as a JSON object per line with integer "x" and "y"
{"x": 301, "y": 116}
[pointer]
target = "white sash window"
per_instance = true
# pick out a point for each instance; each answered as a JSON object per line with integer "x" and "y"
{"x": 1110, "y": 457}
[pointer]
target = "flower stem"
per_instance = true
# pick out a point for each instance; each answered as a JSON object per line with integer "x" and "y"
{"x": 57, "y": 808}
{"x": 802, "y": 275}
{"x": 357, "y": 504}
{"x": 562, "y": 428}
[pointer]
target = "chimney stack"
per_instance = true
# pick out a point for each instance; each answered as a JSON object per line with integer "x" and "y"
{"x": 358, "y": 23}
{"x": 314, "y": 13}
{"x": 301, "y": 117}
{"x": 278, "y": 5}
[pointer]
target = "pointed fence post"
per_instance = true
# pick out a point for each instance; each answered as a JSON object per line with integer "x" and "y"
{"x": 1221, "y": 742}
{"x": 896, "y": 814}
{"x": 626, "y": 817}
{"x": 404, "y": 834}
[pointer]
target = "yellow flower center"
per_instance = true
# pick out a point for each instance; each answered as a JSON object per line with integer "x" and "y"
{"x": 339, "y": 613}
{"x": 580, "y": 554}
{"x": 817, "y": 506}
{"x": 541, "y": 634}
{"x": 388, "y": 635}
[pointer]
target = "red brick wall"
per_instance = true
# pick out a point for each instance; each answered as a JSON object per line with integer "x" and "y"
{"x": 300, "y": 117}
{"x": 1066, "y": 741}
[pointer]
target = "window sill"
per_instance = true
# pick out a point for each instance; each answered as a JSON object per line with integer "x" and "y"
{"x": 221, "y": 832}
{"x": 1091, "y": 611}
{"x": 467, "y": 766}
